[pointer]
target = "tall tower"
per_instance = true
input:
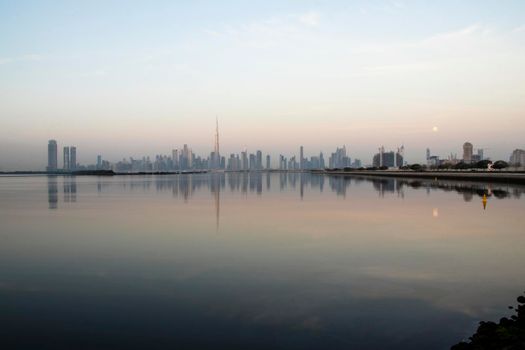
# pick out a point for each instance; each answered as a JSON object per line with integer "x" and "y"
{"x": 66, "y": 158}
{"x": 216, "y": 153}
{"x": 52, "y": 162}
{"x": 72, "y": 158}
{"x": 467, "y": 152}
{"x": 301, "y": 158}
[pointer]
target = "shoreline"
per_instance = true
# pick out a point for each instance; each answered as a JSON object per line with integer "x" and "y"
{"x": 500, "y": 177}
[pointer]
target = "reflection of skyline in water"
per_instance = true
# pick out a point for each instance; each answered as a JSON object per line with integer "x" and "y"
{"x": 69, "y": 190}
{"x": 52, "y": 192}
{"x": 185, "y": 186}
{"x": 252, "y": 182}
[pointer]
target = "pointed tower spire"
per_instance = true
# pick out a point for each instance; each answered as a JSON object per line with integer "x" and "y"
{"x": 217, "y": 135}
{"x": 216, "y": 153}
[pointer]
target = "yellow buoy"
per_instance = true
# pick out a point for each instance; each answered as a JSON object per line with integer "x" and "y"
{"x": 484, "y": 201}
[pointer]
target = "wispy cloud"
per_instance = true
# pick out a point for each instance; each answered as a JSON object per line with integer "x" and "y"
{"x": 310, "y": 18}
{"x": 6, "y": 60}
{"x": 268, "y": 32}
{"x": 519, "y": 29}
{"x": 23, "y": 58}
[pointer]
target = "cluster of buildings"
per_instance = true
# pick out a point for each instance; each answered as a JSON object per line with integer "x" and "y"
{"x": 469, "y": 156}
{"x": 69, "y": 162}
{"x": 180, "y": 160}
{"x": 516, "y": 159}
{"x": 339, "y": 160}
{"x": 185, "y": 160}
{"x": 389, "y": 159}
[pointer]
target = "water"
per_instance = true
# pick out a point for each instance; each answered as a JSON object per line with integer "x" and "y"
{"x": 257, "y": 261}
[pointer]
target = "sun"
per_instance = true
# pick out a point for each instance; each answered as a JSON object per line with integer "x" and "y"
{"x": 435, "y": 129}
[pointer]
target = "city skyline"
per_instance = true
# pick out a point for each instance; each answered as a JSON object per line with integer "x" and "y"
{"x": 278, "y": 74}
{"x": 185, "y": 159}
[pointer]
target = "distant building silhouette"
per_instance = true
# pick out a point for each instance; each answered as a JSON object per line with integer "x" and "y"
{"x": 517, "y": 157}
{"x": 467, "y": 152}
{"x": 259, "y": 165}
{"x": 339, "y": 159}
{"x": 72, "y": 158}
{"x": 52, "y": 162}
{"x": 69, "y": 158}
{"x": 66, "y": 158}
{"x": 389, "y": 159}
{"x": 301, "y": 158}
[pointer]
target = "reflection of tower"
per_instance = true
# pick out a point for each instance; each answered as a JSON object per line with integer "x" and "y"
{"x": 70, "y": 189}
{"x": 216, "y": 188}
{"x": 52, "y": 192}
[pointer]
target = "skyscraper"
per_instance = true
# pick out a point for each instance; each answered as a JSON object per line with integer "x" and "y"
{"x": 52, "y": 162}
{"x": 72, "y": 158}
{"x": 301, "y": 158}
{"x": 244, "y": 156}
{"x": 66, "y": 158}
{"x": 216, "y": 159}
{"x": 467, "y": 152}
{"x": 517, "y": 157}
{"x": 268, "y": 162}
{"x": 259, "y": 162}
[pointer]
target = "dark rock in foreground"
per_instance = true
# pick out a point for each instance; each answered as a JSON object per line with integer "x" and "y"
{"x": 508, "y": 334}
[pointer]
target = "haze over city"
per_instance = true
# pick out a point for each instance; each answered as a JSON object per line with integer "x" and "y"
{"x": 133, "y": 79}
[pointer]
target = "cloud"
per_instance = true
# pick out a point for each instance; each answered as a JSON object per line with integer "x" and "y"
{"x": 310, "y": 18}
{"x": 6, "y": 60}
{"x": 268, "y": 32}
{"x": 400, "y": 68}
{"x": 519, "y": 29}
{"x": 23, "y": 58}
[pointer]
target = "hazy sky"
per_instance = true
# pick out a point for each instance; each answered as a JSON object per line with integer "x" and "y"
{"x": 125, "y": 78}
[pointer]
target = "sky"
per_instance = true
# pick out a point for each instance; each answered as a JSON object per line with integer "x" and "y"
{"x": 134, "y": 78}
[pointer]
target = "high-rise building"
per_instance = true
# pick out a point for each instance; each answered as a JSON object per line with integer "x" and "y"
{"x": 253, "y": 164}
{"x": 216, "y": 159}
{"x": 66, "y": 158}
{"x": 388, "y": 159}
{"x": 282, "y": 162}
{"x": 268, "y": 162}
{"x": 175, "y": 159}
{"x": 244, "y": 156}
{"x": 480, "y": 154}
{"x": 517, "y": 157}
{"x": 301, "y": 158}
{"x": 339, "y": 159}
{"x": 52, "y": 162}
{"x": 467, "y": 152}
{"x": 259, "y": 164}
{"x": 72, "y": 158}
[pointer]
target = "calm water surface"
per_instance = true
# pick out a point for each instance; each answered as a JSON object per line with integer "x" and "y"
{"x": 254, "y": 261}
